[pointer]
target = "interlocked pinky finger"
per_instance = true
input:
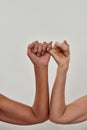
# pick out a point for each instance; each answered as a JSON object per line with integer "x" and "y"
{"x": 49, "y": 46}
{"x": 58, "y": 45}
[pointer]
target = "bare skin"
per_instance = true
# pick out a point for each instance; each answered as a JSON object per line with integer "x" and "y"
{"x": 61, "y": 113}
{"x": 17, "y": 113}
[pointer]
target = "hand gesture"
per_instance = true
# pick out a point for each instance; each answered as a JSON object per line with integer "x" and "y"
{"x": 61, "y": 54}
{"x": 38, "y": 54}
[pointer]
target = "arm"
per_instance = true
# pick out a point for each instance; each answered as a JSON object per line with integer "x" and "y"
{"x": 41, "y": 103}
{"x": 74, "y": 112}
{"x": 18, "y": 113}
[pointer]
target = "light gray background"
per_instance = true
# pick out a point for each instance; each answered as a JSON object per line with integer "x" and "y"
{"x": 23, "y": 21}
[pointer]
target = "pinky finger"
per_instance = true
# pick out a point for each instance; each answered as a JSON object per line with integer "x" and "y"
{"x": 58, "y": 45}
{"x": 49, "y": 46}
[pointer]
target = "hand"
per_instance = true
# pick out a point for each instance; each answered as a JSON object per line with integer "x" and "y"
{"x": 61, "y": 54}
{"x": 38, "y": 54}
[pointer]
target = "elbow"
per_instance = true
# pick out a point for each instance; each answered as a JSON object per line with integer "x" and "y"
{"x": 35, "y": 120}
{"x": 54, "y": 119}
{"x": 59, "y": 120}
{"x": 40, "y": 117}
{"x": 43, "y": 119}
{"x": 43, "y": 116}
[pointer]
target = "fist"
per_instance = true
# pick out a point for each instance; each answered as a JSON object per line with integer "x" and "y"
{"x": 61, "y": 53}
{"x": 38, "y": 53}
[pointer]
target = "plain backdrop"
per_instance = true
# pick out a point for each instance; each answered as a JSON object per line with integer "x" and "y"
{"x": 24, "y": 21}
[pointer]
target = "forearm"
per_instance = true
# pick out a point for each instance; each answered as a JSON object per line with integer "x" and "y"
{"x": 41, "y": 103}
{"x": 57, "y": 105}
{"x": 59, "y": 111}
{"x": 74, "y": 112}
{"x": 18, "y": 113}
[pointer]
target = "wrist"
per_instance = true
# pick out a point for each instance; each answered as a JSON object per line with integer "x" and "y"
{"x": 41, "y": 67}
{"x": 64, "y": 66}
{"x": 62, "y": 69}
